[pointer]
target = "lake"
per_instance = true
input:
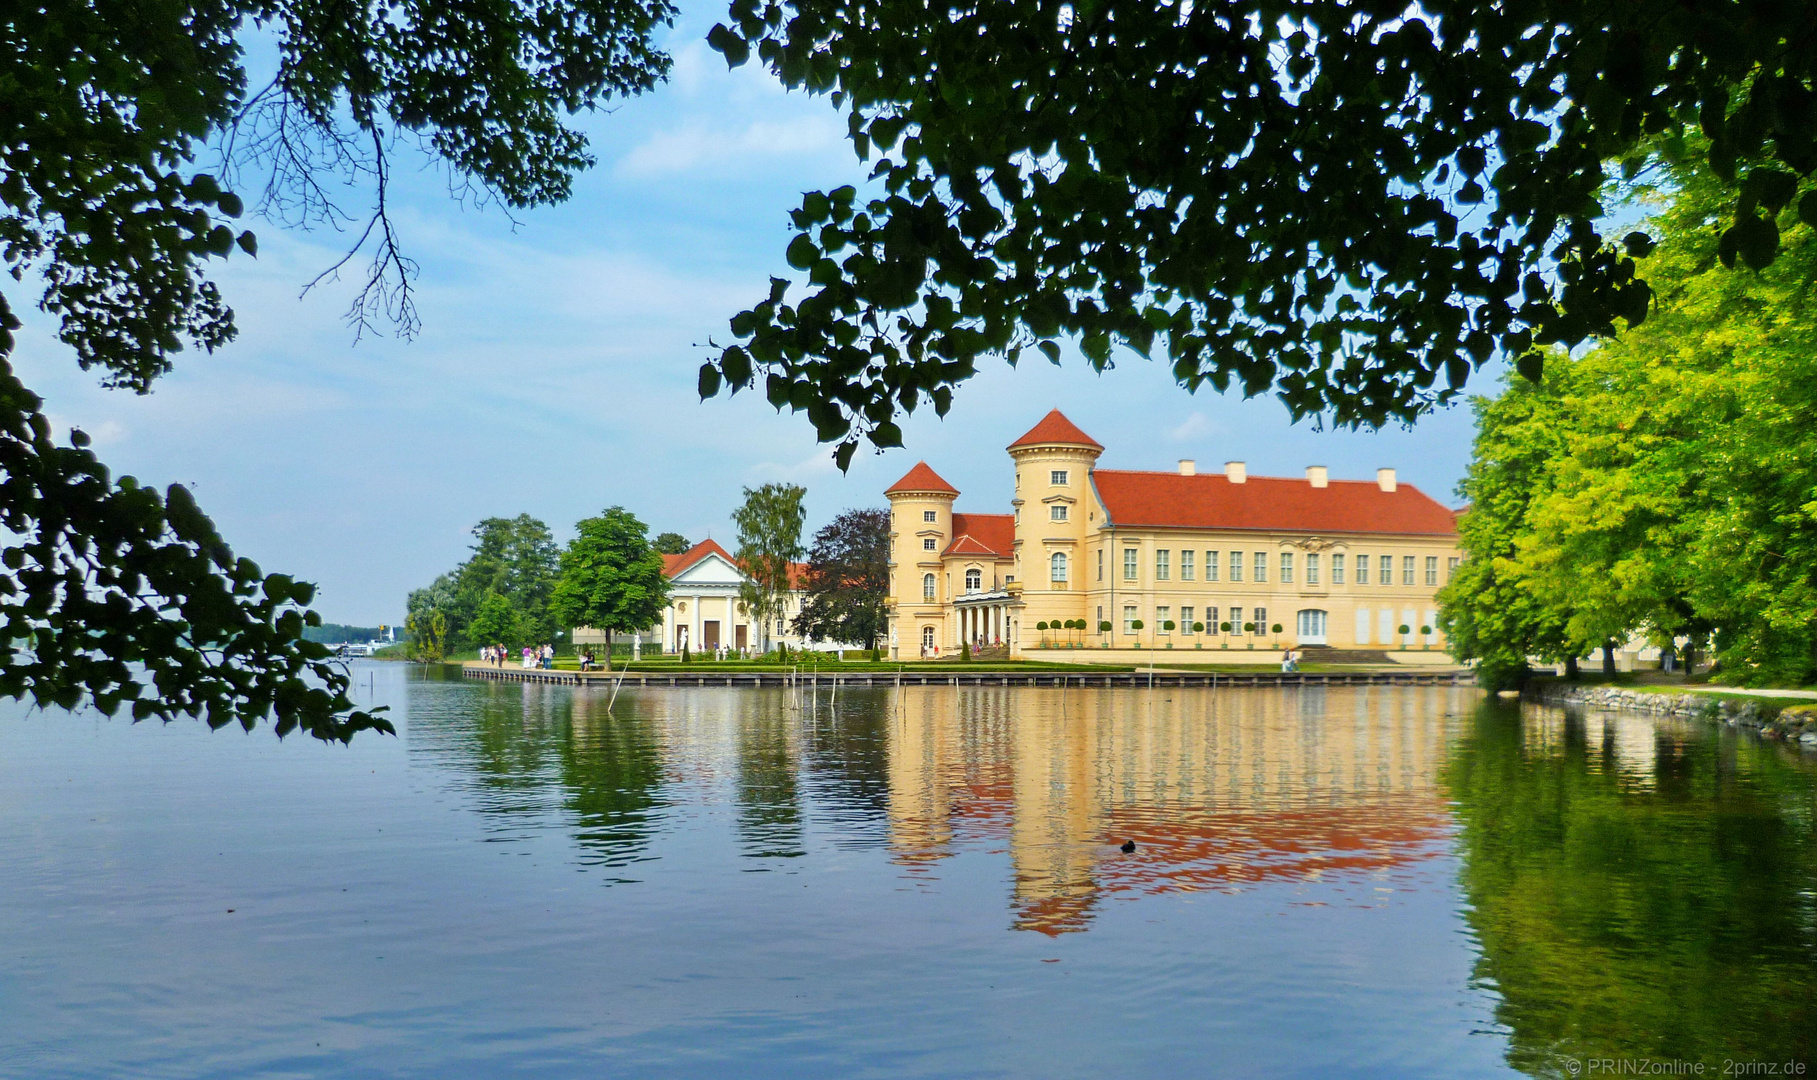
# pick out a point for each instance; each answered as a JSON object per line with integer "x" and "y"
{"x": 1370, "y": 881}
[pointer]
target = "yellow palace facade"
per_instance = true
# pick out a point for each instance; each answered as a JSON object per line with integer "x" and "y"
{"x": 1169, "y": 560}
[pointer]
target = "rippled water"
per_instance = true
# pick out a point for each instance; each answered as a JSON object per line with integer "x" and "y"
{"x": 925, "y": 882}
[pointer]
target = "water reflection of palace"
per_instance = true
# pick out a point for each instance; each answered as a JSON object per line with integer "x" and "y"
{"x": 1219, "y": 790}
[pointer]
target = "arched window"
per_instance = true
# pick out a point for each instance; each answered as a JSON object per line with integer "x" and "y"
{"x": 1057, "y": 573}
{"x": 974, "y": 580}
{"x": 1312, "y": 627}
{"x": 927, "y": 587}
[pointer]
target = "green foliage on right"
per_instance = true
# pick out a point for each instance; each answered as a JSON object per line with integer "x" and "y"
{"x": 1663, "y": 484}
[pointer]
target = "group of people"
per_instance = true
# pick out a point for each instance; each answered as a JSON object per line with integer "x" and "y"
{"x": 531, "y": 656}
{"x": 1290, "y": 660}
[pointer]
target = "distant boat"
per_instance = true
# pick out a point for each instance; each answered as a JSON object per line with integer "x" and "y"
{"x": 349, "y": 649}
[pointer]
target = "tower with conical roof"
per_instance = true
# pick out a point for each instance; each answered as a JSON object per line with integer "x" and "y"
{"x": 1053, "y": 505}
{"x": 921, "y": 526}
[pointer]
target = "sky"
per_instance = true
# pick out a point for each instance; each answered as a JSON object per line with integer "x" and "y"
{"x": 556, "y": 367}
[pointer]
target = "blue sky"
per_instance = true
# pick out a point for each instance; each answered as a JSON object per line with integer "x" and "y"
{"x": 556, "y": 368}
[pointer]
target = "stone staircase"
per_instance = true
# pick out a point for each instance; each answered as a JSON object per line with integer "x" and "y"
{"x": 1325, "y": 654}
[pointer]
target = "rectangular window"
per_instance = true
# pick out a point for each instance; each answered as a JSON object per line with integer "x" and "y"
{"x": 1211, "y": 620}
{"x": 778, "y": 627}
{"x": 1057, "y": 477}
{"x": 1211, "y": 566}
{"x": 1161, "y": 616}
{"x": 1312, "y": 569}
{"x": 1236, "y": 566}
{"x": 1236, "y": 620}
{"x": 1056, "y": 512}
{"x": 1386, "y": 565}
{"x": 1100, "y": 576}
{"x": 1186, "y": 567}
{"x": 1130, "y": 557}
{"x": 1100, "y": 621}
{"x": 1261, "y": 567}
{"x": 1163, "y": 572}
{"x": 1406, "y": 570}
{"x": 930, "y": 516}
{"x": 1261, "y": 621}
{"x": 1129, "y": 619}
{"x": 1362, "y": 626}
{"x": 1185, "y": 620}
{"x": 1337, "y": 569}
{"x": 927, "y": 543}
{"x": 1362, "y": 569}
{"x": 1450, "y": 568}
{"x": 1432, "y": 569}
{"x": 1287, "y": 567}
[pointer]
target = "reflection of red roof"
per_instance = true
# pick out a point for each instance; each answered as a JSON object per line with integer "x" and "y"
{"x": 1171, "y": 500}
{"x": 921, "y": 478}
{"x": 982, "y": 534}
{"x": 675, "y": 565}
{"x": 1056, "y": 430}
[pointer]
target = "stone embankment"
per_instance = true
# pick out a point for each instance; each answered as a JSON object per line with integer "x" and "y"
{"x": 1792, "y": 723}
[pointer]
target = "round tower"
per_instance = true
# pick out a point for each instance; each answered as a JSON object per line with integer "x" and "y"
{"x": 921, "y": 527}
{"x": 1053, "y": 505}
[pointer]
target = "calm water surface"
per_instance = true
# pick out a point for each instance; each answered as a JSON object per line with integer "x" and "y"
{"x": 1394, "y": 882}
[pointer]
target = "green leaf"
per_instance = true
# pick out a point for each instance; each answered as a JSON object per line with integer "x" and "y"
{"x": 728, "y": 44}
{"x": 709, "y": 381}
{"x": 802, "y": 252}
{"x": 1531, "y": 366}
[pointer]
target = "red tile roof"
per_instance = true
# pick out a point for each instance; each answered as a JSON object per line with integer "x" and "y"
{"x": 921, "y": 478}
{"x": 1170, "y": 500}
{"x": 1056, "y": 430}
{"x": 982, "y": 534}
{"x": 675, "y": 565}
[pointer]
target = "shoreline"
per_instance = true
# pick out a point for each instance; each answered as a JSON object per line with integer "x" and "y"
{"x": 1082, "y": 679}
{"x": 1793, "y": 723}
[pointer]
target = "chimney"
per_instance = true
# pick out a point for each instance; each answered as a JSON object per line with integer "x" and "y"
{"x": 1316, "y": 476}
{"x": 1236, "y": 472}
{"x": 1188, "y": 467}
{"x": 1384, "y": 479}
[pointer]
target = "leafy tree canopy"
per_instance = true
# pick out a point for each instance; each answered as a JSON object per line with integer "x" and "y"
{"x": 514, "y": 559}
{"x": 670, "y": 543}
{"x": 769, "y": 541}
{"x": 1346, "y": 203}
{"x": 1664, "y": 483}
{"x": 847, "y": 579}
{"x": 611, "y": 577}
{"x": 115, "y": 593}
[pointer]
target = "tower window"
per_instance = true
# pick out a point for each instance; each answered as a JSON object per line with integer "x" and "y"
{"x": 1056, "y": 512}
{"x": 930, "y": 516}
{"x": 927, "y": 544}
{"x": 1057, "y": 477}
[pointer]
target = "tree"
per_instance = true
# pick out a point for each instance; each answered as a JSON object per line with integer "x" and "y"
{"x": 848, "y": 576}
{"x": 769, "y": 542}
{"x": 497, "y": 621}
{"x": 117, "y": 594}
{"x": 611, "y": 577}
{"x": 517, "y": 559}
{"x": 1352, "y": 205}
{"x": 670, "y": 543}
{"x": 428, "y": 636}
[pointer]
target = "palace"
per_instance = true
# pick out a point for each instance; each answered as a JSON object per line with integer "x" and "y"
{"x": 1158, "y": 560}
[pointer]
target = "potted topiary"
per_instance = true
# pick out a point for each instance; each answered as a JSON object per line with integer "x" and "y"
{"x": 1104, "y": 628}
{"x": 1405, "y": 630}
{"x": 1249, "y": 628}
{"x": 1042, "y": 628}
{"x": 1136, "y": 625}
{"x": 1167, "y": 626}
{"x": 1224, "y": 634}
{"x": 1277, "y": 635}
{"x": 1199, "y": 629}
{"x": 1426, "y": 632}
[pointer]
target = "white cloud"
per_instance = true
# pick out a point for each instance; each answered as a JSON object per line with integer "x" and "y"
{"x": 1197, "y": 426}
{"x": 699, "y": 146}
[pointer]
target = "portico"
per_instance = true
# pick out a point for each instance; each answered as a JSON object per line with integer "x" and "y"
{"x": 985, "y": 618}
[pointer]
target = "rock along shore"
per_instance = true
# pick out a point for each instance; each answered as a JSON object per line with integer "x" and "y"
{"x": 1791, "y": 723}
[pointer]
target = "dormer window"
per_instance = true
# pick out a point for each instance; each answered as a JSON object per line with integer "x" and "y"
{"x": 1057, "y": 477}
{"x": 1056, "y": 512}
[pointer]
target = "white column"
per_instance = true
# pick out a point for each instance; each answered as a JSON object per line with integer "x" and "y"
{"x": 728, "y": 635}
{"x": 668, "y": 626}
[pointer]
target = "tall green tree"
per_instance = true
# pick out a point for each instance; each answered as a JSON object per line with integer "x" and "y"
{"x": 769, "y": 525}
{"x": 670, "y": 543}
{"x": 113, "y": 592}
{"x": 498, "y": 621}
{"x": 611, "y": 577}
{"x": 1352, "y": 204}
{"x": 848, "y": 577}
{"x": 517, "y": 559}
